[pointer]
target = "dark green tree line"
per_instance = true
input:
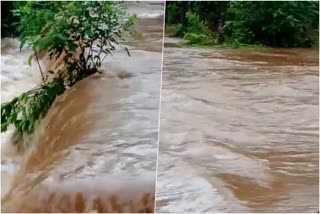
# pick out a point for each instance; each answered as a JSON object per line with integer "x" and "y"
{"x": 271, "y": 23}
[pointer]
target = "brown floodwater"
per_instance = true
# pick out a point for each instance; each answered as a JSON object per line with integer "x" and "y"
{"x": 96, "y": 149}
{"x": 239, "y": 131}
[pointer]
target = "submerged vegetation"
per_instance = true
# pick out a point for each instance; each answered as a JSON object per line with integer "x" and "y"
{"x": 244, "y": 23}
{"x": 82, "y": 33}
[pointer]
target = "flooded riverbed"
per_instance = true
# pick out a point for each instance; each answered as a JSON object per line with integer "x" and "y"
{"x": 239, "y": 131}
{"x": 99, "y": 139}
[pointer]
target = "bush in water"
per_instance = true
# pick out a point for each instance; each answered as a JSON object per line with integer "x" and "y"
{"x": 67, "y": 29}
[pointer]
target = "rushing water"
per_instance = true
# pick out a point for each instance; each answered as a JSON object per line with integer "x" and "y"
{"x": 239, "y": 131}
{"x": 99, "y": 138}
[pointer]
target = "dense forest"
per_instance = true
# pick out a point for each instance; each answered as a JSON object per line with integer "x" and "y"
{"x": 269, "y": 23}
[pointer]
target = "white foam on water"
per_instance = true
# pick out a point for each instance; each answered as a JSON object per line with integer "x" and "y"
{"x": 16, "y": 77}
{"x": 148, "y": 15}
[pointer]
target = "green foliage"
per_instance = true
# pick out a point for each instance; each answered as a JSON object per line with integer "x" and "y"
{"x": 171, "y": 13}
{"x": 173, "y": 18}
{"x": 195, "y": 24}
{"x": 197, "y": 31}
{"x": 180, "y": 30}
{"x": 24, "y": 110}
{"x": 68, "y": 27}
{"x": 211, "y": 12}
{"x": 271, "y": 23}
{"x": 84, "y": 32}
{"x": 197, "y": 39}
{"x": 281, "y": 24}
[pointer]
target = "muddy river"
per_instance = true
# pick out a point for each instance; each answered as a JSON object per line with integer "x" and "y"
{"x": 99, "y": 139}
{"x": 239, "y": 131}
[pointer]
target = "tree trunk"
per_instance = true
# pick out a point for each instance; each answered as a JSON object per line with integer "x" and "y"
{"x": 183, "y": 10}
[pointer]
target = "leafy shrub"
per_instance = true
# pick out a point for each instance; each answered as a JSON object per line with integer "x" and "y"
{"x": 71, "y": 29}
{"x": 197, "y": 31}
{"x": 67, "y": 27}
{"x": 195, "y": 24}
{"x": 199, "y": 39}
{"x": 180, "y": 30}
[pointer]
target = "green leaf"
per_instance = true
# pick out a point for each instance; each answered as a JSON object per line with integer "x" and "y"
{"x": 4, "y": 127}
{"x": 24, "y": 114}
{"x": 30, "y": 59}
{"x": 60, "y": 36}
